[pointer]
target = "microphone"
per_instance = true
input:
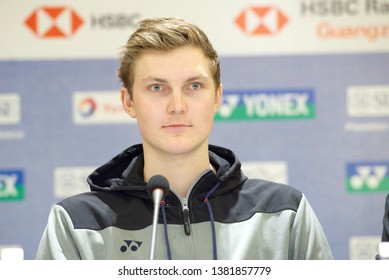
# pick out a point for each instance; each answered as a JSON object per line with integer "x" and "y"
{"x": 157, "y": 188}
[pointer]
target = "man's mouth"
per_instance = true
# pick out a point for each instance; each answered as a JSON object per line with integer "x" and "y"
{"x": 176, "y": 125}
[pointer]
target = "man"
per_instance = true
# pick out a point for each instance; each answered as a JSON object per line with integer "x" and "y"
{"x": 383, "y": 247}
{"x": 171, "y": 85}
{"x": 385, "y": 222}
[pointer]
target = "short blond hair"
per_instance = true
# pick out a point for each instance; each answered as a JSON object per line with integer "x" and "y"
{"x": 166, "y": 33}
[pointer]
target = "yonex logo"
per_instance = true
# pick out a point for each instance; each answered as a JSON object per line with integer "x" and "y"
{"x": 368, "y": 177}
{"x": 54, "y": 22}
{"x": 260, "y": 104}
{"x": 130, "y": 244}
{"x": 261, "y": 20}
{"x": 371, "y": 176}
{"x": 11, "y": 184}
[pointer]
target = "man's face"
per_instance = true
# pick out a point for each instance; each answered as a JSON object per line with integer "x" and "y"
{"x": 174, "y": 99}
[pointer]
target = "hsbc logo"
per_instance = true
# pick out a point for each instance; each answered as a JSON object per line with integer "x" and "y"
{"x": 54, "y": 22}
{"x": 261, "y": 20}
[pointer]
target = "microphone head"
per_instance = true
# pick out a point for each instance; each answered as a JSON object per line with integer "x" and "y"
{"x": 158, "y": 182}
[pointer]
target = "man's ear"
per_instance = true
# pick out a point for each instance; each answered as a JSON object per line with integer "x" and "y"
{"x": 127, "y": 103}
{"x": 218, "y": 99}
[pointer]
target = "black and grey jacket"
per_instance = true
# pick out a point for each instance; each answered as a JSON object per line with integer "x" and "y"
{"x": 224, "y": 216}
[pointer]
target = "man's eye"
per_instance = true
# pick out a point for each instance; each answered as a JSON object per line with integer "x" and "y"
{"x": 195, "y": 85}
{"x": 156, "y": 87}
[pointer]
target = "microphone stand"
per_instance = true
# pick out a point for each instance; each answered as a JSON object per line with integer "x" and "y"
{"x": 157, "y": 197}
{"x": 157, "y": 187}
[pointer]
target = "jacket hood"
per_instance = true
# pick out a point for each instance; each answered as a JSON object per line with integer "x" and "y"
{"x": 124, "y": 173}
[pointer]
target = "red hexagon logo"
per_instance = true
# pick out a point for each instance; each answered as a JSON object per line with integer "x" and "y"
{"x": 261, "y": 20}
{"x": 54, "y": 22}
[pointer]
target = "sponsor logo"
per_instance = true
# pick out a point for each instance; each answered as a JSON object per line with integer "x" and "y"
{"x": 367, "y": 177}
{"x": 12, "y": 134}
{"x": 87, "y": 107}
{"x": 10, "y": 108}
{"x": 109, "y": 21}
{"x": 275, "y": 171}
{"x": 99, "y": 108}
{"x": 328, "y": 8}
{"x": 267, "y": 105}
{"x": 54, "y": 22}
{"x": 69, "y": 181}
{"x": 130, "y": 244}
{"x": 261, "y": 20}
{"x": 48, "y": 22}
{"x": 323, "y": 8}
{"x": 11, "y": 185}
{"x": 11, "y": 252}
{"x": 339, "y": 18}
{"x": 368, "y": 101}
{"x": 363, "y": 247}
{"x": 366, "y": 127}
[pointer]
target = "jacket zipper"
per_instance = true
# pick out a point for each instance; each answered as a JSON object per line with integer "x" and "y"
{"x": 184, "y": 204}
{"x": 185, "y": 216}
{"x": 186, "y": 220}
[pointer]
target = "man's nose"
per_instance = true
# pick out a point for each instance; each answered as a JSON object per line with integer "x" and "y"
{"x": 177, "y": 103}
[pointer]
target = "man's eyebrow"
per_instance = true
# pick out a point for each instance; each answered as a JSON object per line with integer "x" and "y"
{"x": 160, "y": 80}
{"x": 196, "y": 78}
{"x": 154, "y": 79}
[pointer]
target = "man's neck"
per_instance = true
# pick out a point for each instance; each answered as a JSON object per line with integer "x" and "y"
{"x": 180, "y": 170}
